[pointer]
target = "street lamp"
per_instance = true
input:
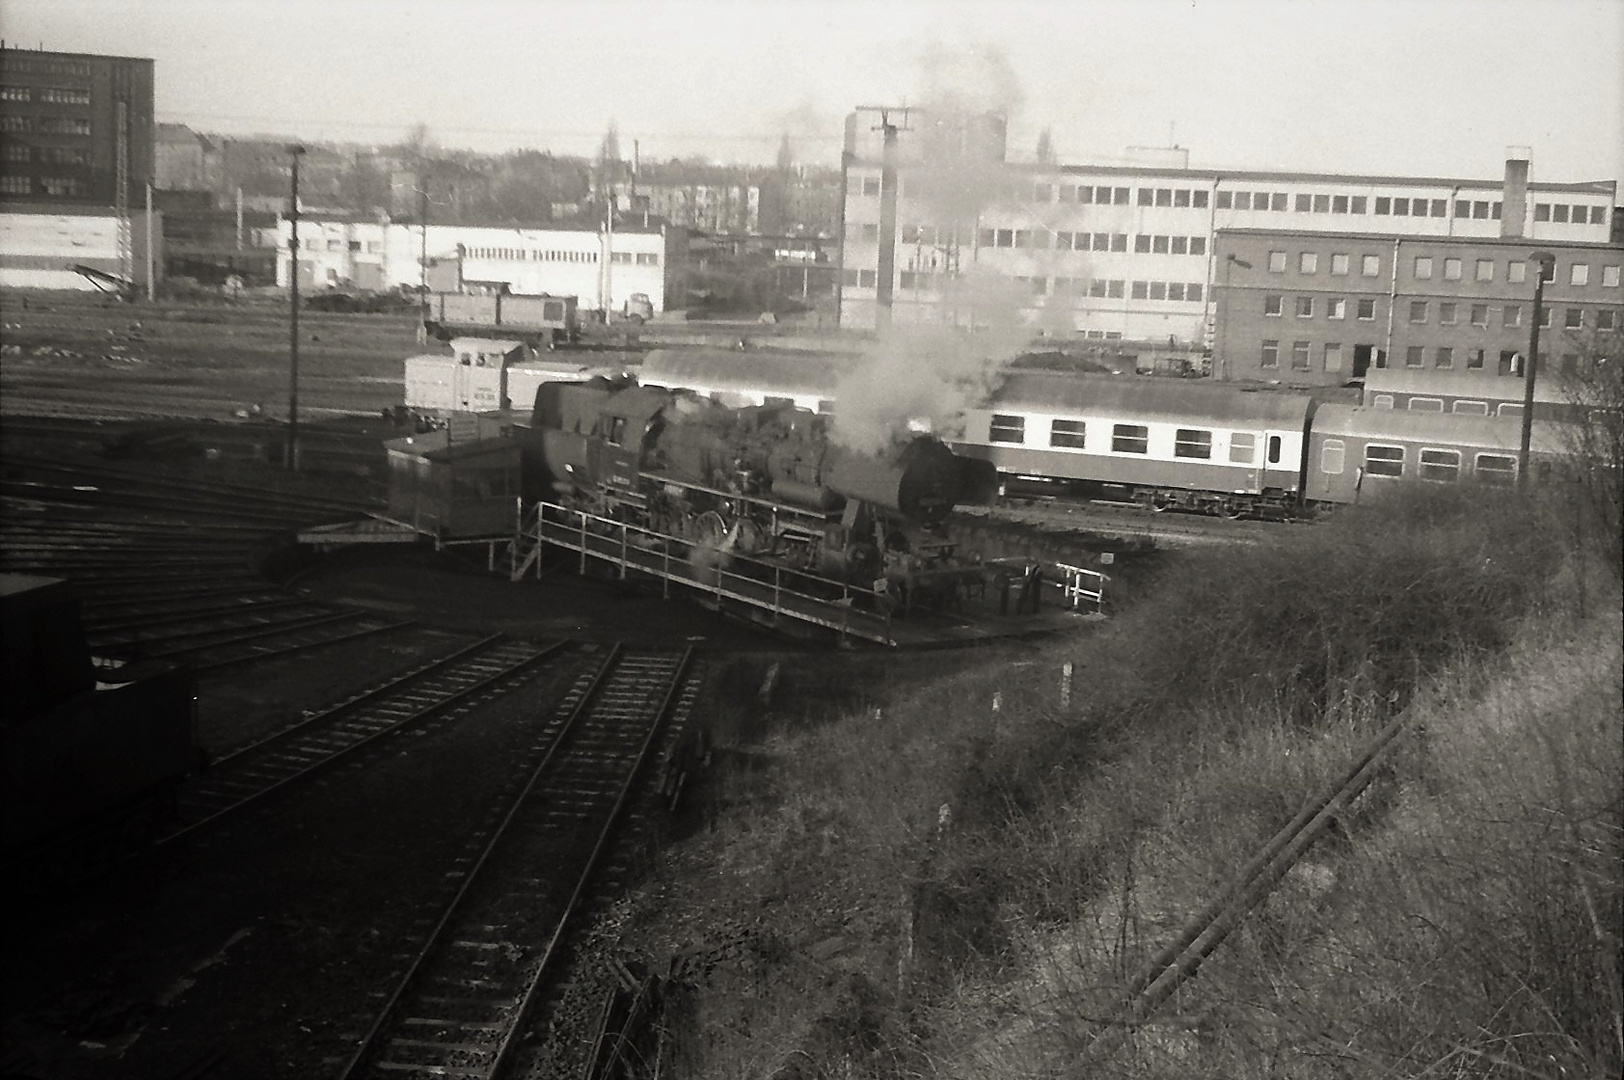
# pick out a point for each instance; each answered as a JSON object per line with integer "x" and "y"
{"x": 1545, "y": 269}
{"x": 294, "y": 152}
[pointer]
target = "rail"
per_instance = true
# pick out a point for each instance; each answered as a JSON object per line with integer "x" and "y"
{"x": 417, "y": 1030}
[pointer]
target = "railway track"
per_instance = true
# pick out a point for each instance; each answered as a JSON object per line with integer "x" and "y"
{"x": 485, "y": 970}
{"x": 321, "y": 739}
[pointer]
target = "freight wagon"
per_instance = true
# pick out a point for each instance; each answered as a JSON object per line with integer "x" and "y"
{"x": 538, "y": 320}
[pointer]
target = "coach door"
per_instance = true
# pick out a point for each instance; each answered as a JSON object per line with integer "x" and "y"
{"x": 1275, "y": 460}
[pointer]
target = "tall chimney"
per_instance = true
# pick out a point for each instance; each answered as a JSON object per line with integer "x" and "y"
{"x": 1514, "y": 203}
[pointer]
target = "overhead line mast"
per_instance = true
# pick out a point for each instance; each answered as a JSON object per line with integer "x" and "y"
{"x": 888, "y": 218}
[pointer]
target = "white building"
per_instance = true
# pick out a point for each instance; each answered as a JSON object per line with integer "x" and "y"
{"x": 39, "y": 248}
{"x": 342, "y": 252}
{"x": 1127, "y": 251}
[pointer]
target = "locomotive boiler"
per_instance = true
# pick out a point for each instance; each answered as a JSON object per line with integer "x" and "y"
{"x": 764, "y": 481}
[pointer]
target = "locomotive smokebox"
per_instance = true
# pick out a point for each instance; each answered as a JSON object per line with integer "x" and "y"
{"x": 921, "y": 481}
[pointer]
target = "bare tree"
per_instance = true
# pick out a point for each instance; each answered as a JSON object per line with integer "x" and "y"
{"x": 1045, "y": 149}
{"x": 1595, "y": 390}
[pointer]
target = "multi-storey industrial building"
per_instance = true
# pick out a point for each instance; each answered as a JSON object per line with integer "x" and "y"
{"x": 76, "y": 158}
{"x": 340, "y": 251}
{"x": 1120, "y": 251}
{"x": 1315, "y": 308}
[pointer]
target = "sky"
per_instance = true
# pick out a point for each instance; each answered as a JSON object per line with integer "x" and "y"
{"x": 1407, "y": 87}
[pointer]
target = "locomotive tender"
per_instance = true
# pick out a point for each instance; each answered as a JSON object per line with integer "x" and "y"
{"x": 762, "y": 481}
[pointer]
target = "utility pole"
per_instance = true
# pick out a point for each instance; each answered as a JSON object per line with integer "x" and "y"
{"x": 293, "y": 318}
{"x": 1545, "y": 266}
{"x": 121, "y": 199}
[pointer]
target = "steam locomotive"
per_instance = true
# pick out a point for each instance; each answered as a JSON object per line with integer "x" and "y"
{"x": 761, "y": 481}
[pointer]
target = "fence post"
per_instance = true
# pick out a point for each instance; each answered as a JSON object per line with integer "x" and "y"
{"x": 583, "y": 544}
{"x": 1065, "y": 684}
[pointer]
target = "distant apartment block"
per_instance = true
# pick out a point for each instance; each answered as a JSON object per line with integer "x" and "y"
{"x": 66, "y": 120}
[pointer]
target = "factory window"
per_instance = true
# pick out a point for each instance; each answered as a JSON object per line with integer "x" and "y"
{"x": 1470, "y": 408}
{"x": 1508, "y": 408}
{"x": 1418, "y": 311}
{"x": 56, "y": 95}
{"x": 1480, "y": 208}
{"x": 1463, "y": 208}
{"x": 1040, "y": 286}
{"x": 1495, "y": 468}
{"x": 1299, "y": 355}
{"x": 1516, "y": 272}
{"x": 1367, "y": 309}
{"x": 1198, "y": 198}
{"x": 1414, "y": 356}
{"x": 1164, "y": 196}
{"x": 1007, "y": 429}
{"x": 1440, "y": 208}
{"x": 1579, "y": 274}
{"x": 1452, "y": 269}
{"x": 1130, "y": 439}
{"x": 1175, "y": 290}
{"x": 1067, "y": 433}
{"x": 1382, "y": 401}
{"x": 1384, "y": 460}
{"x": 1446, "y": 313}
{"x": 1085, "y": 193}
{"x": 1023, "y": 238}
{"x": 1336, "y": 308}
{"x": 1331, "y": 456}
{"x": 1063, "y": 241}
{"x": 1609, "y": 277}
{"x": 1510, "y": 316}
{"x": 1192, "y": 291}
{"x": 1510, "y": 362}
{"x": 1307, "y": 262}
{"x": 1116, "y": 289}
{"x": 1272, "y": 303}
{"x": 1271, "y": 354}
{"x": 1545, "y": 318}
{"x": 1357, "y": 204}
{"x": 1423, "y": 267}
{"x": 1242, "y": 447}
{"x": 1225, "y": 200}
{"x": 1384, "y": 204}
{"x": 1441, "y": 465}
{"x": 1303, "y": 203}
{"x": 1444, "y": 357}
{"x": 1559, "y": 213}
{"x": 1042, "y": 193}
{"x": 871, "y": 234}
{"x": 1141, "y": 244}
{"x": 64, "y": 155}
{"x": 1192, "y": 443}
{"x": 60, "y": 186}
{"x": 871, "y": 186}
{"x": 1485, "y": 270}
{"x": 1198, "y": 245}
{"x": 1005, "y": 238}
{"x": 1604, "y": 319}
{"x": 335, "y": 245}
{"x": 1180, "y": 245}
{"x": 868, "y": 279}
{"x": 1322, "y": 204}
{"x": 1141, "y": 290}
{"x": 1147, "y": 196}
{"x": 355, "y": 246}
{"x": 1573, "y": 318}
{"x": 1305, "y": 307}
{"x": 14, "y": 93}
{"x": 1119, "y": 196}
{"x": 14, "y": 125}
{"x": 1570, "y": 363}
{"x": 1542, "y": 211}
{"x": 1158, "y": 290}
{"x": 1474, "y": 359}
{"x": 1401, "y": 207}
{"x": 1181, "y": 197}
{"x": 18, "y": 152}
{"x": 1370, "y": 265}
{"x": 1598, "y": 215}
{"x": 64, "y": 125}
{"x": 1102, "y": 242}
{"x": 1159, "y": 245}
{"x": 1277, "y": 262}
{"x": 14, "y": 185}
{"x": 1339, "y": 265}
{"x": 1119, "y": 242}
{"x": 1333, "y": 356}
{"x": 1102, "y": 195}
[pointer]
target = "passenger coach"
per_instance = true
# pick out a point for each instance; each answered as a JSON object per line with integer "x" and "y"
{"x": 1162, "y": 443}
{"x": 1358, "y": 451}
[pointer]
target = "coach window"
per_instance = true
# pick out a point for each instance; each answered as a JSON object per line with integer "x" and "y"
{"x": 1370, "y": 265}
{"x": 1426, "y": 404}
{"x": 617, "y": 430}
{"x": 1192, "y": 443}
{"x": 1418, "y": 311}
{"x": 1470, "y": 408}
{"x": 1242, "y": 447}
{"x": 1423, "y": 267}
{"x": 1067, "y": 434}
{"x": 1382, "y": 401}
{"x": 1384, "y": 460}
{"x": 1339, "y": 264}
{"x": 1007, "y": 429}
{"x": 1509, "y": 408}
{"x": 1305, "y": 307}
{"x": 1495, "y": 468}
{"x": 1274, "y": 449}
{"x": 1573, "y": 318}
{"x": 1331, "y": 455}
{"x": 1441, "y": 465}
{"x": 1452, "y": 269}
{"x": 1130, "y": 439}
{"x": 1333, "y": 356}
{"x": 1307, "y": 262}
{"x": 1271, "y": 354}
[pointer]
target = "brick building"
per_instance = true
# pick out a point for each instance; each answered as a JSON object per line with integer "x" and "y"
{"x": 1314, "y": 308}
